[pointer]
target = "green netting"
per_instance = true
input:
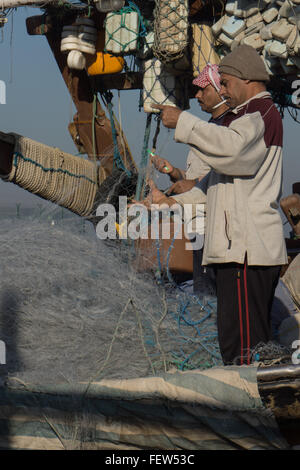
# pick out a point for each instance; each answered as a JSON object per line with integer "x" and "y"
{"x": 202, "y": 48}
{"x": 161, "y": 87}
{"x": 170, "y": 29}
{"x": 123, "y": 30}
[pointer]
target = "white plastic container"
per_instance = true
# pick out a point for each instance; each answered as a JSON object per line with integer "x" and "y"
{"x": 282, "y": 29}
{"x": 159, "y": 86}
{"x": 112, "y": 38}
{"x": 254, "y": 19}
{"x": 69, "y": 47}
{"x": 121, "y": 32}
{"x": 266, "y": 32}
{"x": 270, "y": 15}
{"x": 224, "y": 39}
{"x": 233, "y": 26}
{"x": 278, "y": 49}
{"x": 231, "y": 7}
{"x": 76, "y": 60}
{"x": 81, "y": 37}
{"x": 217, "y": 27}
{"x": 68, "y": 44}
{"x": 254, "y": 40}
{"x": 132, "y": 23}
{"x": 202, "y": 47}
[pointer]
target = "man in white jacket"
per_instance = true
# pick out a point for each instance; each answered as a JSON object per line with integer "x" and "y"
{"x": 244, "y": 238}
{"x": 212, "y": 102}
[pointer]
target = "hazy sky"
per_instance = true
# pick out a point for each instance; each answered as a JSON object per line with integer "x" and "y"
{"x": 39, "y": 106}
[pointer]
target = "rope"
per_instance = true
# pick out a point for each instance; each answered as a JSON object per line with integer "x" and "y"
{"x": 154, "y": 142}
{"x": 93, "y": 126}
{"x": 159, "y": 86}
{"x": 118, "y": 162}
{"x": 17, "y": 155}
{"x": 203, "y": 48}
{"x": 144, "y": 159}
{"x": 68, "y": 181}
{"x": 115, "y": 37}
{"x": 196, "y": 341}
{"x": 170, "y": 29}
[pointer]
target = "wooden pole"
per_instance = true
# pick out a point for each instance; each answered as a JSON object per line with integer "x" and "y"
{"x": 82, "y": 90}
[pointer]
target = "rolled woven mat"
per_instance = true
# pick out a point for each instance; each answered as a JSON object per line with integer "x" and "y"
{"x": 62, "y": 178}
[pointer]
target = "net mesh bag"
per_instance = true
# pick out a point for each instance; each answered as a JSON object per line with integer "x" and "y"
{"x": 122, "y": 31}
{"x": 202, "y": 48}
{"x": 170, "y": 29}
{"x": 162, "y": 87}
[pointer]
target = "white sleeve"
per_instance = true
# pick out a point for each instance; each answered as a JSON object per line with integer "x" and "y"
{"x": 237, "y": 150}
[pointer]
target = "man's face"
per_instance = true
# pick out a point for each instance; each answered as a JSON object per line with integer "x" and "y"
{"x": 233, "y": 89}
{"x": 207, "y": 98}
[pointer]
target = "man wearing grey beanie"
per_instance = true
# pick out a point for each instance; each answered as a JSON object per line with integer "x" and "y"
{"x": 244, "y": 239}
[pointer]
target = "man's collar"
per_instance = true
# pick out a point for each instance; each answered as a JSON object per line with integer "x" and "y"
{"x": 262, "y": 94}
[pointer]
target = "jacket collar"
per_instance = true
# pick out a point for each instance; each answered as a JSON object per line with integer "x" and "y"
{"x": 262, "y": 94}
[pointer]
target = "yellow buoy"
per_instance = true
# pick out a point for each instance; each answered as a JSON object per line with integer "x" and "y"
{"x": 103, "y": 62}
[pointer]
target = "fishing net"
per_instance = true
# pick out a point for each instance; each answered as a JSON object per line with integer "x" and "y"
{"x": 162, "y": 87}
{"x": 123, "y": 30}
{"x": 170, "y": 29}
{"x": 271, "y": 353}
{"x": 202, "y": 48}
{"x": 54, "y": 175}
{"x": 74, "y": 308}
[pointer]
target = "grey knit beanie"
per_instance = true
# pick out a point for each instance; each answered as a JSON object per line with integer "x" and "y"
{"x": 244, "y": 62}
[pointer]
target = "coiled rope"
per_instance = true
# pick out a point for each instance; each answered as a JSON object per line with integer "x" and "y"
{"x": 62, "y": 178}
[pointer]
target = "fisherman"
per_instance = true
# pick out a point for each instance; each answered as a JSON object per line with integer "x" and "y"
{"x": 212, "y": 102}
{"x": 244, "y": 234}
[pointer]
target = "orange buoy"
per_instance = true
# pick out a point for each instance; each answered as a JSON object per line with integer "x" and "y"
{"x": 103, "y": 62}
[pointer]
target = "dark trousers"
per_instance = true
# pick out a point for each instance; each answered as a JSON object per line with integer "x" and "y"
{"x": 244, "y": 299}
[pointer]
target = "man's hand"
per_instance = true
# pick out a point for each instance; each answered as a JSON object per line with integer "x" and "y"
{"x": 169, "y": 114}
{"x": 155, "y": 196}
{"x": 181, "y": 187}
{"x": 162, "y": 165}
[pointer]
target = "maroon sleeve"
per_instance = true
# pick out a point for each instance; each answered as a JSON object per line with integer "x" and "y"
{"x": 270, "y": 115}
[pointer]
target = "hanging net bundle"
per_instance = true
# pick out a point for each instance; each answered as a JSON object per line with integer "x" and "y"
{"x": 170, "y": 29}
{"x": 123, "y": 29}
{"x": 162, "y": 87}
{"x": 202, "y": 48}
{"x": 62, "y": 178}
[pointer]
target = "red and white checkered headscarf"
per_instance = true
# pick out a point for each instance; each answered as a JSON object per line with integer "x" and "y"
{"x": 209, "y": 76}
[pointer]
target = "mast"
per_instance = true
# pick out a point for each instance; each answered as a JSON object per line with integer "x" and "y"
{"x": 91, "y": 129}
